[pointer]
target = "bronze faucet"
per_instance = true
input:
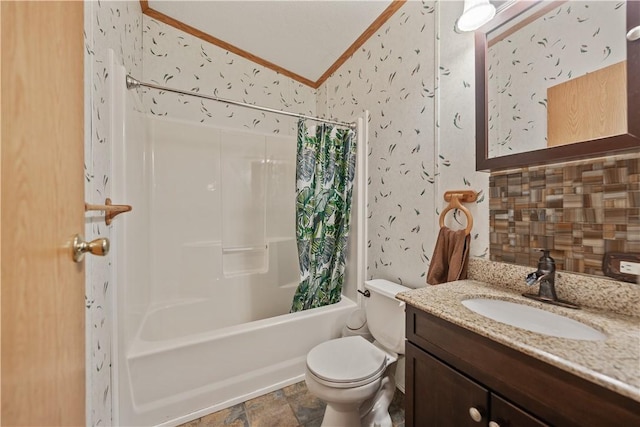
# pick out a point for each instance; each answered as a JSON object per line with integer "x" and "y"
{"x": 545, "y": 276}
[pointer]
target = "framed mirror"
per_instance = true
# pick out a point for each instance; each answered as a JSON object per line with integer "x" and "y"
{"x": 557, "y": 81}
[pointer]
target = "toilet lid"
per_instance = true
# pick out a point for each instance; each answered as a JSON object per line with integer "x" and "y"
{"x": 350, "y": 360}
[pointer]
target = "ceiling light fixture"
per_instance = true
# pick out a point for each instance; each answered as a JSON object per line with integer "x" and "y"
{"x": 476, "y": 13}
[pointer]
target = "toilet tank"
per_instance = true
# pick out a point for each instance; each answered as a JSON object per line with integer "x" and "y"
{"x": 385, "y": 314}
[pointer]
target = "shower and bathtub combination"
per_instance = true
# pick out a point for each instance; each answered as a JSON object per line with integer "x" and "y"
{"x": 206, "y": 265}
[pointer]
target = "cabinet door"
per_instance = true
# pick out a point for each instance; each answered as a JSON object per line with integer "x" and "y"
{"x": 504, "y": 414}
{"x": 438, "y": 396}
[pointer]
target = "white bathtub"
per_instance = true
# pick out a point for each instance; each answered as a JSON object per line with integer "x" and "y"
{"x": 174, "y": 380}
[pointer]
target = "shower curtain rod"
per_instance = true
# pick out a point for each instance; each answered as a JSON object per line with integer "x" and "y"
{"x": 134, "y": 84}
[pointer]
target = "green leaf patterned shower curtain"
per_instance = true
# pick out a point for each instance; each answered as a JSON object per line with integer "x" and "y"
{"x": 325, "y": 169}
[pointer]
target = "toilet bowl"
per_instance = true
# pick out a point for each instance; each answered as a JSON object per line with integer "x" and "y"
{"x": 354, "y": 376}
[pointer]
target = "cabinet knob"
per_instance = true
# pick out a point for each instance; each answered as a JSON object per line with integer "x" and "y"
{"x": 475, "y": 414}
{"x": 493, "y": 424}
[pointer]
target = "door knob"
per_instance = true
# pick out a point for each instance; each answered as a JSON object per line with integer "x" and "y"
{"x": 98, "y": 247}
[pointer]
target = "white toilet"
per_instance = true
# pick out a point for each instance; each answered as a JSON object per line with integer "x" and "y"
{"x": 354, "y": 376}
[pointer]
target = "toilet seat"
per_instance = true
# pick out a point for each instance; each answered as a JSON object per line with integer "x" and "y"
{"x": 346, "y": 362}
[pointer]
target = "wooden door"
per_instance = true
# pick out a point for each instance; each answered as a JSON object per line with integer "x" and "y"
{"x": 41, "y": 198}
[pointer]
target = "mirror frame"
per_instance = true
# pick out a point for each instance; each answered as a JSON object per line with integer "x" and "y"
{"x": 617, "y": 144}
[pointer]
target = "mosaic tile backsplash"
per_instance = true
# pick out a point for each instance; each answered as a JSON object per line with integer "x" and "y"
{"x": 579, "y": 210}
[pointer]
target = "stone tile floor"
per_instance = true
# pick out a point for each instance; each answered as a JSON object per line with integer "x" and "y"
{"x": 292, "y": 406}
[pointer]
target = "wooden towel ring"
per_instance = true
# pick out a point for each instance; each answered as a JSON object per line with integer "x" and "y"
{"x": 455, "y": 198}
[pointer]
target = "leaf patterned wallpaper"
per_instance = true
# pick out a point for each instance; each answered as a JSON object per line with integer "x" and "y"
{"x": 416, "y": 76}
{"x": 177, "y": 59}
{"x": 569, "y": 41}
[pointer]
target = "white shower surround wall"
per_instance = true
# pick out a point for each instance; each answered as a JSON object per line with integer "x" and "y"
{"x": 177, "y": 59}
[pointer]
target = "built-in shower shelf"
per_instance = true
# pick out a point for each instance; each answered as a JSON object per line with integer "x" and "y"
{"x": 245, "y": 260}
{"x": 244, "y": 249}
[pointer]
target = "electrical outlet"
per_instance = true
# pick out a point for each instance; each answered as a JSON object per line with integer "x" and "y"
{"x": 627, "y": 267}
{"x": 621, "y": 266}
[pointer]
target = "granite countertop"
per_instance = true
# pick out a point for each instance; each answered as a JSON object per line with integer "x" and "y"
{"x": 613, "y": 363}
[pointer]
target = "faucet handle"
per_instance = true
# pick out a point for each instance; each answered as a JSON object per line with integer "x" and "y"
{"x": 531, "y": 278}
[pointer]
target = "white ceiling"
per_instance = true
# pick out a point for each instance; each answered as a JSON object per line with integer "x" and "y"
{"x": 302, "y": 36}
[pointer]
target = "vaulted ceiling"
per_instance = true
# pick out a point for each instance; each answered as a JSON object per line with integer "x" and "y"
{"x": 306, "y": 40}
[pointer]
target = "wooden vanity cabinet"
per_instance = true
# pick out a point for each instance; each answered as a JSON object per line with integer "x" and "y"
{"x": 450, "y": 370}
{"x": 442, "y": 396}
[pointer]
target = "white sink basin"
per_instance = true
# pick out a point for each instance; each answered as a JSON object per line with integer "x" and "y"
{"x": 533, "y": 319}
